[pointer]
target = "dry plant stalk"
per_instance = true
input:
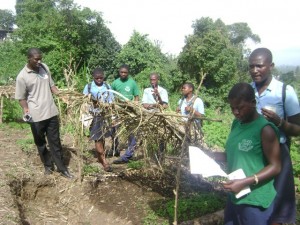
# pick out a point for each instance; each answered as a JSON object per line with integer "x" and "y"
{"x": 185, "y": 143}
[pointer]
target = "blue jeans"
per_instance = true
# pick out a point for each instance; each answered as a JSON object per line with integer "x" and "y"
{"x": 130, "y": 150}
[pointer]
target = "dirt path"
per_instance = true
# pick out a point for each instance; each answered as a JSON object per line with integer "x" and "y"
{"x": 29, "y": 197}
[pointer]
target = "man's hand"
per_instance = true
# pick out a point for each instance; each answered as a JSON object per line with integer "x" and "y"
{"x": 188, "y": 108}
{"x": 271, "y": 116}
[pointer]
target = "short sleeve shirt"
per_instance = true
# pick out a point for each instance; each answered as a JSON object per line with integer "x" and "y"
{"x": 99, "y": 93}
{"x": 272, "y": 97}
{"x": 148, "y": 97}
{"x": 127, "y": 88}
{"x": 35, "y": 88}
{"x": 198, "y": 106}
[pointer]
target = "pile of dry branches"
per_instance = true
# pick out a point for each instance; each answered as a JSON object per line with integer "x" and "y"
{"x": 130, "y": 117}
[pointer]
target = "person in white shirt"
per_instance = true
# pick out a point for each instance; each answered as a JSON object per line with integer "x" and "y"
{"x": 155, "y": 96}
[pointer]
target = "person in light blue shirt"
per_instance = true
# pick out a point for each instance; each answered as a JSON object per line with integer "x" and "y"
{"x": 99, "y": 94}
{"x": 190, "y": 103}
{"x": 284, "y": 112}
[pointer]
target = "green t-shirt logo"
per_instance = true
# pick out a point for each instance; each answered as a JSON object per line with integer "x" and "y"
{"x": 245, "y": 145}
{"x": 127, "y": 88}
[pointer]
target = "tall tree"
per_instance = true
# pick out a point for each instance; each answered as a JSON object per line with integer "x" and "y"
{"x": 7, "y": 20}
{"x": 210, "y": 50}
{"x": 145, "y": 57}
{"x": 65, "y": 33}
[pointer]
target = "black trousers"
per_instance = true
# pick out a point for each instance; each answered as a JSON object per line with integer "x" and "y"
{"x": 48, "y": 128}
{"x": 285, "y": 200}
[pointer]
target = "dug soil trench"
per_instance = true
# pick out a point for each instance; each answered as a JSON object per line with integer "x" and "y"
{"x": 125, "y": 196}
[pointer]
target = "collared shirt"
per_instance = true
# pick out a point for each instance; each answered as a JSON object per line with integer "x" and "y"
{"x": 35, "y": 88}
{"x": 272, "y": 98}
{"x": 99, "y": 93}
{"x": 148, "y": 97}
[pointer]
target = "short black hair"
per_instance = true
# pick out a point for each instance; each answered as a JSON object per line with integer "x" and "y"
{"x": 32, "y": 51}
{"x": 155, "y": 74}
{"x": 190, "y": 85}
{"x": 98, "y": 70}
{"x": 262, "y": 51}
{"x": 124, "y": 66}
{"x": 242, "y": 91}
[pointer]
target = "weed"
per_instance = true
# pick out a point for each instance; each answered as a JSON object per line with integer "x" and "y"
{"x": 90, "y": 169}
{"x": 193, "y": 207}
{"x": 26, "y": 145}
{"x": 153, "y": 219}
{"x": 136, "y": 165}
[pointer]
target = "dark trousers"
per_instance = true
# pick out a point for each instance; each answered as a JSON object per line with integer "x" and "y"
{"x": 285, "y": 201}
{"x": 246, "y": 214}
{"x": 48, "y": 128}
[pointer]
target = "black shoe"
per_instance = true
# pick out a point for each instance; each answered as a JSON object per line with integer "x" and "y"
{"x": 112, "y": 153}
{"x": 66, "y": 174}
{"x": 48, "y": 171}
{"x": 119, "y": 161}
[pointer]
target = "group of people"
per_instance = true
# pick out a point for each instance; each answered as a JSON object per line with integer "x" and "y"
{"x": 153, "y": 98}
{"x": 266, "y": 114}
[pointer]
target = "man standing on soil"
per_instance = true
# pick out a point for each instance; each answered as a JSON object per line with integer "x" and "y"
{"x": 278, "y": 104}
{"x": 154, "y": 99}
{"x": 34, "y": 88}
{"x": 129, "y": 89}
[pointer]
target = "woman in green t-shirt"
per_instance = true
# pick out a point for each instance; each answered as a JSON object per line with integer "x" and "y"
{"x": 253, "y": 146}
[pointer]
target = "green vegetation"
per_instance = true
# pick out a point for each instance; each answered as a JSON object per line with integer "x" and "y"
{"x": 153, "y": 219}
{"x": 89, "y": 169}
{"x": 192, "y": 207}
{"x": 27, "y": 144}
{"x": 136, "y": 165}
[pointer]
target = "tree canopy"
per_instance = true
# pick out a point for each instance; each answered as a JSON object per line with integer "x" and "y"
{"x": 66, "y": 34}
{"x": 215, "y": 50}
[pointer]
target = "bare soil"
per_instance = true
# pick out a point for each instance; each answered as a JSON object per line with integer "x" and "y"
{"x": 125, "y": 196}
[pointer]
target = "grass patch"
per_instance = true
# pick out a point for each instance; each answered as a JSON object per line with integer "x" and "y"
{"x": 136, "y": 165}
{"x": 90, "y": 169}
{"x": 153, "y": 219}
{"x": 192, "y": 207}
{"x": 27, "y": 145}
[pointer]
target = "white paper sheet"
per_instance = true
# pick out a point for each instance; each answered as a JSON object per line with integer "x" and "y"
{"x": 200, "y": 163}
{"x": 239, "y": 174}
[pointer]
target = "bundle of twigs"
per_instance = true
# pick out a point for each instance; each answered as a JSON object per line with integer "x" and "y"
{"x": 131, "y": 118}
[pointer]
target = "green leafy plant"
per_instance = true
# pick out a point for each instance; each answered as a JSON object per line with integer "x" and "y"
{"x": 27, "y": 144}
{"x": 136, "y": 165}
{"x": 90, "y": 169}
{"x": 153, "y": 219}
{"x": 193, "y": 207}
{"x": 12, "y": 111}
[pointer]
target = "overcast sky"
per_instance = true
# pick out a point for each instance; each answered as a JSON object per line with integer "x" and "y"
{"x": 169, "y": 21}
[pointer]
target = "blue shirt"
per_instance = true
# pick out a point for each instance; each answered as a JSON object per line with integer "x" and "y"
{"x": 99, "y": 93}
{"x": 272, "y": 97}
{"x": 198, "y": 106}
